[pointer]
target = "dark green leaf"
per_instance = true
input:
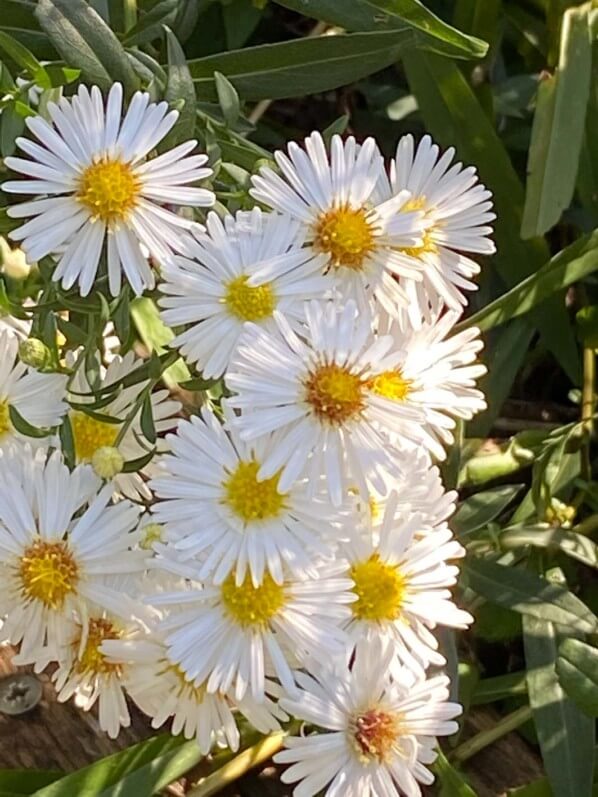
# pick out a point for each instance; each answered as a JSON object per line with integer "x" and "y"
{"x": 228, "y": 99}
{"x": 67, "y": 441}
{"x": 528, "y": 594}
{"x": 577, "y": 669}
{"x": 489, "y": 690}
{"x": 121, "y": 316}
{"x": 337, "y": 127}
{"x": 566, "y": 736}
{"x": 297, "y": 68}
{"x": 18, "y": 20}
{"x": 452, "y": 782}
{"x": 388, "y": 15}
{"x": 135, "y": 465}
{"x": 84, "y": 40}
{"x": 569, "y": 542}
{"x": 482, "y": 508}
{"x": 571, "y": 264}
{"x": 26, "y": 781}
{"x": 558, "y": 128}
{"x": 147, "y": 420}
{"x": 149, "y": 24}
{"x": 25, "y": 59}
{"x": 12, "y": 125}
{"x": 143, "y": 769}
{"x": 23, "y": 426}
{"x": 179, "y": 87}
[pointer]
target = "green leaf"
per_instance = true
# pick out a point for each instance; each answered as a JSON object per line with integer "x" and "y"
{"x": 147, "y": 420}
{"x": 577, "y": 669}
{"x": 84, "y": 40}
{"x": 388, "y": 15}
{"x": 228, "y": 99}
{"x": 571, "y": 264}
{"x": 67, "y": 441}
{"x": 12, "y": 125}
{"x": 558, "y": 128}
{"x": 24, "y": 427}
{"x": 587, "y": 325}
{"x": 528, "y": 594}
{"x": 297, "y": 68}
{"x": 25, "y": 59}
{"x": 135, "y": 465}
{"x": 156, "y": 336}
{"x": 149, "y": 24}
{"x": 566, "y": 736}
{"x": 482, "y": 508}
{"x": 569, "y": 542}
{"x": 143, "y": 769}
{"x": 18, "y": 20}
{"x": 240, "y": 19}
{"x": 490, "y": 690}
{"x": 179, "y": 87}
{"x": 539, "y": 788}
{"x": 452, "y": 782}
{"x": 454, "y": 117}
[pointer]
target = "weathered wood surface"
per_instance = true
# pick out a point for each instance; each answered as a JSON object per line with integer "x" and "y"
{"x": 59, "y": 736}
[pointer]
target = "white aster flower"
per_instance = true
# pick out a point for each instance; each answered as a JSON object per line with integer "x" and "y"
{"x": 59, "y": 539}
{"x": 88, "y": 675}
{"x": 435, "y": 372}
{"x": 402, "y": 583}
{"x": 99, "y": 185}
{"x": 246, "y": 525}
{"x": 418, "y": 488}
{"x": 458, "y": 213}
{"x": 163, "y": 692}
{"x": 218, "y": 290}
{"x": 100, "y": 430}
{"x": 231, "y": 636}
{"x": 315, "y": 395}
{"x": 378, "y": 734}
{"x": 38, "y": 397}
{"x": 333, "y": 198}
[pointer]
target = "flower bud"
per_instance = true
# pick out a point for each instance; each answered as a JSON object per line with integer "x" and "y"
{"x": 34, "y": 352}
{"x": 107, "y": 462}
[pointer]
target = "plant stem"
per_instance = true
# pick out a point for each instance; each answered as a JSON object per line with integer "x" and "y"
{"x": 587, "y": 407}
{"x": 481, "y": 740}
{"x": 129, "y": 14}
{"x": 239, "y": 765}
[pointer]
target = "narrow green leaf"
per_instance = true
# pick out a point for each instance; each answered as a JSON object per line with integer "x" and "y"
{"x": 84, "y": 40}
{"x": 142, "y": 769}
{"x": 179, "y": 87}
{"x": 240, "y": 19}
{"x": 569, "y": 542}
{"x": 558, "y": 128}
{"x": 147, "y": 420}
{"x": 23, "y": 426}
{"x": 228, "y": 99}
{"x": 528, "y": 594}
{"x": 482, "y": 508}
{"x": 149, "y": 24}
{"x": 26, "y": 781}
{"x": 566, "y": 736}
{"x": 297, "y": 68}
{"x": 452, "y": 783}
{"x": 12, "y": 125}
{"x": 577, "y": 669}
{"x": 135, "y": 465}
{"x": 337, "y": 127}
{"x": 387, "y": 15}
{"x": 489, "y": 690}
{"x": 25, "y": 59}
{"x": 18, "y": 20}
{"x": 571, "y": 264}
{"x": 539, "y": 788}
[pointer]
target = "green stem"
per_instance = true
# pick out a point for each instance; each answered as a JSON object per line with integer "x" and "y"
{"x": 587, "y": 407}
{"x": 129, "y": 14}
{"x": 481, "y": 740}
{"x": 239, "y": 765}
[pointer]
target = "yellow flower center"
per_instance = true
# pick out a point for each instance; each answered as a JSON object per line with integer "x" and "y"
{"x": 345, "y": 234}
{"x": 5, "y": 424}
{"x": 186, "y": 688}
{"x": 48, "y": 572}
{"x": 427, "y": 247}
{"x": 110, "y": 189}
{"x": 249, "y": 303}
{"x": 251, "y": 499}
{"x": 150, "y": 534}
{"x": 90, "y": 434}
{"x": 374, "y": 734}
{"x": 252, "y": 606}
{"x": 334, "y": 393}
{"x": 390, "y": 385}
{"x": 379, "y": 588}
{"x": 415, "y": 203}
{"x": 91, "y": 659}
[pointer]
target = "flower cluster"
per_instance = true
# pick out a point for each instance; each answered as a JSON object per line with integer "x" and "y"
{"x": 284, "y": 551}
